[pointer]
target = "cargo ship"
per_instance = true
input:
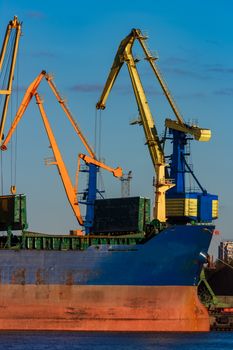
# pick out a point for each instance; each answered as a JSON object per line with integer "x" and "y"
{"x": 102, "y": 282}
{"x": 123, "y": 271}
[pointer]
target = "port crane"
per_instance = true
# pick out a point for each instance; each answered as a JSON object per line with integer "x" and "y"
{"x": 169, "y": 190}
{"x": 13, "y": 31}
{"x": 90, "y": 159}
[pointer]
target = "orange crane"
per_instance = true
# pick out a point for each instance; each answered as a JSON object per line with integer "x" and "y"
{"x": 13, "y": 25}
{"x": 71, "y": 191}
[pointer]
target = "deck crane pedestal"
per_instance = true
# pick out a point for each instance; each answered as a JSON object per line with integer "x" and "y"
{"x": 91, "y": 161}
{"x": 172, "y": 203}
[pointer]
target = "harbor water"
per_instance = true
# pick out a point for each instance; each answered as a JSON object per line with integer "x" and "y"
{"x": 115, "y": 341}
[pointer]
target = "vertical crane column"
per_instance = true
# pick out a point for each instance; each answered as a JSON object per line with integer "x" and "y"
{"x": 91, "y": 197}
{"x": 177, "y": 166}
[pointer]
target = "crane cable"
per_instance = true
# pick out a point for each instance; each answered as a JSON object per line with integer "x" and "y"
{"x": 1, "y": 174}
{"x": 4, "y": 71}
{"x": 16, "y": 108}
{"x": 6, "y": 63}
{"x": 97, "y": 146}
{"x": 95, "y": 132}
{"x": 14, "y": 141}
{"x": 98, "y": 131}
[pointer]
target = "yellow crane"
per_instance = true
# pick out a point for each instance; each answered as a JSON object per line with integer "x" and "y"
{"x": 14, "y": 25}
{"x": 124, "y": 55}
{"x": 71, "y": 191}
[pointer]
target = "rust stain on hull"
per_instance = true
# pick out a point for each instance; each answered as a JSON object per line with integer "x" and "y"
{"x": 101, "y": 308}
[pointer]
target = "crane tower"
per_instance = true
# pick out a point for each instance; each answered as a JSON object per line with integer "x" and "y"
{"x": 125, "y": 184}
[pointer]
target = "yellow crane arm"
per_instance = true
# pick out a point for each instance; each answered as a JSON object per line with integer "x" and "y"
{"x": 152, "y": 139}
{"x": 199, "y": 134}
{"x": 69, "y": 189}
{"x": 14, "y": 24}
{"x": 124, "y": 54}
{"x": 117, "y": 172}
{"x": 151, "y": 59}
{"x": 115, "y": 69}
{"x": 69, "y": 116}
{"x": 30, "y": 92}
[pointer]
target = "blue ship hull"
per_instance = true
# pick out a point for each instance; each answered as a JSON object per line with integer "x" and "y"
{"x": 173, "y": 257}
{"x": 143, "y": 287}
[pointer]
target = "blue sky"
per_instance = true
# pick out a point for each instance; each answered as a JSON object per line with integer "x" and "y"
{"x": 77, "y": 41}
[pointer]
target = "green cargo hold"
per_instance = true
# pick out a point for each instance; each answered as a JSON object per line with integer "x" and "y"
{"x": 116, "y": 215}
{"x": 13, "y": 214}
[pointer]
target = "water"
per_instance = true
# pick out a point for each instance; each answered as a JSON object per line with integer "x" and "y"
{"x": 115, "y": 341}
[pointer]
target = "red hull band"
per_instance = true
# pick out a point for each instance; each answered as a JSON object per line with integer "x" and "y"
{"x": 101, "y": 308}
